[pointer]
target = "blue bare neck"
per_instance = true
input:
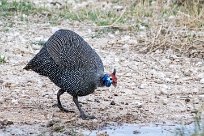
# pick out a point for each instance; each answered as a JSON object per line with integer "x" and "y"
{"x": 107, "y": 80}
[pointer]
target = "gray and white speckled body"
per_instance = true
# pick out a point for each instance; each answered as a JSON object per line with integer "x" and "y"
{"x": 70, "y": 63}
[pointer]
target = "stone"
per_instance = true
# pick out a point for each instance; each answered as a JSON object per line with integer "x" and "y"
{"x": 199, "y": 64}
{"x": 187, "y": 72}
{"x": 96, "y": 100}
{"x": 118, "y": 8}
{"x": 139, "y": 105}
{"x": 142, "y": 86}
{"x": 14, "y": 101}
{"x": 187, "y": 100}
{"x": 165, "y": 61}
{"x": 202, "y": 81}
{"x": 103, "y": 134}
{"x": 135, "y": 132}
{"x": 164, "y": 101}
{"x": 201, "y": 75}
{"x": 112, "y": 103}
{"x": 115, "y": 94}
{"x": 1, "y": 81}
{"x": 52, "y": 122}
{"x": 111, "y": 35}
{"x": 201, "y": 97}
{"x": 163, "y": 91}
{"x": 176, "y": 77}
{"x": 36, "y": 47}
{"x": 157, "y": 74}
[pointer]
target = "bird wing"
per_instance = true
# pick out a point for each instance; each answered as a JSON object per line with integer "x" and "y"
{"x": 69, "y": 50}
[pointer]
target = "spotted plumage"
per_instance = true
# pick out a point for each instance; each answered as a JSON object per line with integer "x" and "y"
{"x": 69, "y": 62}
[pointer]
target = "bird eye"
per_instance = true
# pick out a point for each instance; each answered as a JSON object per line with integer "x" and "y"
{"x": 111, "y": 79}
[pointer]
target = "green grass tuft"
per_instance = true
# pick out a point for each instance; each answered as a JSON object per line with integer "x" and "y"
{"x": 9, "y": 8}
{"x": 98, "y": 17}
{"x": 14, "y": 7}
{"x": 2, "y": 59}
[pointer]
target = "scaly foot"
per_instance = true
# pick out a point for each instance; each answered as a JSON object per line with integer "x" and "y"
{"x": 87, "y": 117}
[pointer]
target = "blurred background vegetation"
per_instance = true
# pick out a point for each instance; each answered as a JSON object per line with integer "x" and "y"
{"x": 167, "y": 24}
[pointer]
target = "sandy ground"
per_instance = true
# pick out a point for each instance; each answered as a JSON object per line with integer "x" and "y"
{"x": 152, "y": 88}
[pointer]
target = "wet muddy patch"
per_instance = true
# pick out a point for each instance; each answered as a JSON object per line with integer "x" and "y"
{"x": 148, "y": 130}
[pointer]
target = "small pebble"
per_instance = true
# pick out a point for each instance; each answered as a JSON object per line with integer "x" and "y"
{"x": 142, "y": 86}
{"x": 115, "y": 94}
{"x": 1, "y": 81}
{"x": 201, "y": 97}
{"x": 5, "y": 123}
{"x": 36, "y": 47}
{"x": 96, "y": 100}
{"x": 202, "y": 81}
{"x": 52, "y": 122}
{"x": 194, "y": 111}
{"x": 164, "y": 101}
{"x": 110, "y": 97}
{"x": 196, "y": 100}
{"x": 176, "y": 77}
{"x": 163, "y": 91}
{"x": 187, "y": 72}
{"x": 118, "y": 7}
{"x": 199, "y": 64}
{"x": 136, "y": 132}
{"x": 103, "y": 134}
{"x": 112, "y": 103}
{"x": 139, "y": 106}
{"x": 187, "y": 100}
{"x": 201, "y": 75}
{"x": 188, "y": 109}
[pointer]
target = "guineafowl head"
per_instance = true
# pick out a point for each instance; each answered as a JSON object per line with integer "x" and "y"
{"x": 109, "y": 79}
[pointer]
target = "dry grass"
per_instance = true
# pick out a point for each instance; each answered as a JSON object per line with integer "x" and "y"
{"x": 176, "y": 25}
{"x": 171, "y": 25}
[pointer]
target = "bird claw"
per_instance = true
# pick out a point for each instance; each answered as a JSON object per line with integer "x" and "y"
{"x": 66, "y": 110}
{"x": 87, "y": 117}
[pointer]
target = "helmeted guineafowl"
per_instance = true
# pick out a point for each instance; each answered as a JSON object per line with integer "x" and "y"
{"x": 68, "y": 60}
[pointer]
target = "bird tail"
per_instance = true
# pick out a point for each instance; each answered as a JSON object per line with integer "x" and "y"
{"x": 27, "y": 67}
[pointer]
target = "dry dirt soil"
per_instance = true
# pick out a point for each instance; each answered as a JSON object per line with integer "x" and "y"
{"x": 159, "y": 87}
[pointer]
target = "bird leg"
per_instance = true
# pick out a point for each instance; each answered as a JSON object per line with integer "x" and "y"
{"x": 59, "y": 105}
{"x": 82, "y": 114}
